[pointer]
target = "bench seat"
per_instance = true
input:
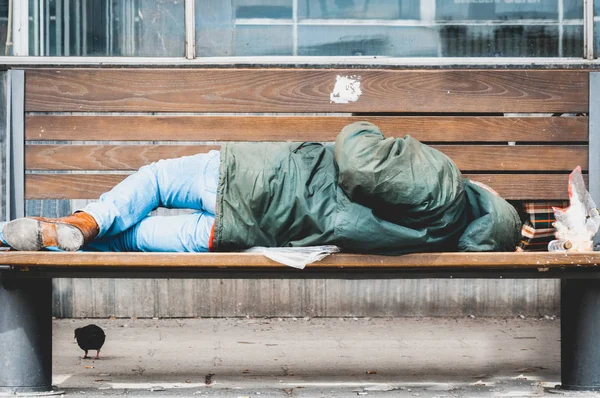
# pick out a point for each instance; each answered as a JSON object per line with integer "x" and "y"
{"x": 480, "y": 261}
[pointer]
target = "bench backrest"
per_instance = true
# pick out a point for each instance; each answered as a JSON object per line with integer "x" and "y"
{"x": 501, "y": 127}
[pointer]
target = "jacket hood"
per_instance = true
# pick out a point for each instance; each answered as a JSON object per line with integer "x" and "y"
{"x": 495, "y": 224}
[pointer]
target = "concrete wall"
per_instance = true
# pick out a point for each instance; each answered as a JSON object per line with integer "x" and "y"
{"x": 303, "y": 298}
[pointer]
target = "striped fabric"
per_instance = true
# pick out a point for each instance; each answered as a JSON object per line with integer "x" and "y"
{"x": 537, "y": 229}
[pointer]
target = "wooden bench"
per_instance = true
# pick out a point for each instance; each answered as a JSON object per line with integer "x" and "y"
{"x": 519, "y": 131}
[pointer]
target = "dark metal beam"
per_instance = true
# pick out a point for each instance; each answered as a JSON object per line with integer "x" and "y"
{"x": 594, "y": 142}
{"x": 25, "y": 335}
{"x": 25, "y": 304}
{"x": 291, "y": 273}
{"x": 16, "y": 147}
{"x": 580, "y": 330}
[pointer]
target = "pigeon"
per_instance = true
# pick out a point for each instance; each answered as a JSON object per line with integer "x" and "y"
{"x": 90, "y": 337}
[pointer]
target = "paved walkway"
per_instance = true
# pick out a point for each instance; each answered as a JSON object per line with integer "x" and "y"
{"x": 424, "y": 357}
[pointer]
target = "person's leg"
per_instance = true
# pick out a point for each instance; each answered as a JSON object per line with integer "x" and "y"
{"x": 189, "y": 182}
{"x": 186, "y": 182}
{"x": 181, "y": 233}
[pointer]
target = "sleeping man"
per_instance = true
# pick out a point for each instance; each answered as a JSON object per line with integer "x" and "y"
{"x": 365, "y": 193}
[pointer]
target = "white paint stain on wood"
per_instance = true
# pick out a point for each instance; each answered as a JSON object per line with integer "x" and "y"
{"x": 346, "y": 90}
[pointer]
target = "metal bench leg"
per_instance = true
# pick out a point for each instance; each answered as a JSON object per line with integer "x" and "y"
{"x": 580, "y": 334}
{"x": 25, "y": 335}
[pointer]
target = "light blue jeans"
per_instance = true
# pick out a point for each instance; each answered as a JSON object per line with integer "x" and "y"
{"x": 188, "y": 182}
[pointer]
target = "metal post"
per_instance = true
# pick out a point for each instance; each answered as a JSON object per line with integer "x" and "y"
{"x": 561, "y": 27}
{"x": 20, "y": 28}
{"x": 16, "y": 145}
{"x": 25, "y": 305}
{"x": 25, "y": 335}
{"x": 580, "y": 332}
{"x": 580, "y": 298}
{"x": 594, "y": 142}
{"x": 588, "y": 29}
{"x": 41, "y": 21}
{"x": 4, "y": 121}
{"x": 190, "y": 30}
{"x": 67, "y": 29}
{"x": 58, "y": 26}
{"x": 36, "y": 28}
{"x": 46, "y": 16}
{"x": 77, "y": 28}
{"x": 110, "y": 28}
{"x": 84, "y": 17}
{"x": 295, "y": 28}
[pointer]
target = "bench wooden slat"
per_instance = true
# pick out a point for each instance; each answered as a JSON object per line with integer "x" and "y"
{"x": 91, "y": 186}
{"x": 302, "y": 128}
{"x": 304, "y": 90}
{"x": 104, "y": 157}
{"x": 467, "y": 157}
{"x": 240, "y": 260}
{"x": 517, "y": 158}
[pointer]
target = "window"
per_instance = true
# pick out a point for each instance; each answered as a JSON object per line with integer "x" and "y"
{"x": 387, "y": 28}
{"x": 410, "y": 28}
{"x": 149, "y": 28}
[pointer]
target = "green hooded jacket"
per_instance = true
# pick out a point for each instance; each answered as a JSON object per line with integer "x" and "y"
{"x": 365, "y": 194}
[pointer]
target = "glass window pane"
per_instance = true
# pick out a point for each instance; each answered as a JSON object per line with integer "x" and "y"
{"x": 506, "y": 10}
{"x": 368, "y": 40}
{"x": 275, "y": 9}
{"x": 4, "y": 27}
{"x": 572, "y": 41}
{"x": 408, "y": 28}
{"x": 244, "y": 27}
{"x": 150, "y": 28}
{"x": 500, "y": 41}
{"x": 358, "y": 9}
{"x": 215, "y": 28}
{"x": 596, "y": 39}
{"x": 596, "y": 28}
{"x": 263, "y": 40}
{"x": 572, "y": 9}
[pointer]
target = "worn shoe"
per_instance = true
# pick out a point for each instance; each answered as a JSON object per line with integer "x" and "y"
{"x": 68, "y": 233}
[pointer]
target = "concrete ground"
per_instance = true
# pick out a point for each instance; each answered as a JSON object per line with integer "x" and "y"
{"x": 340, "y": 357}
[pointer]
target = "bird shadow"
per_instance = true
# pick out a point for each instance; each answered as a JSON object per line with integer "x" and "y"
{"x": 102, "y": 358}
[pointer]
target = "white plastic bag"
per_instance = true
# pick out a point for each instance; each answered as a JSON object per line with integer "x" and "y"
{"x": 296, "y": 257}
{"x": 578, "y": 223}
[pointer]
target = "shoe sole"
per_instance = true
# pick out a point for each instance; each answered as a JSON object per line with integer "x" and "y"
{"x": 29, "y": 234}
